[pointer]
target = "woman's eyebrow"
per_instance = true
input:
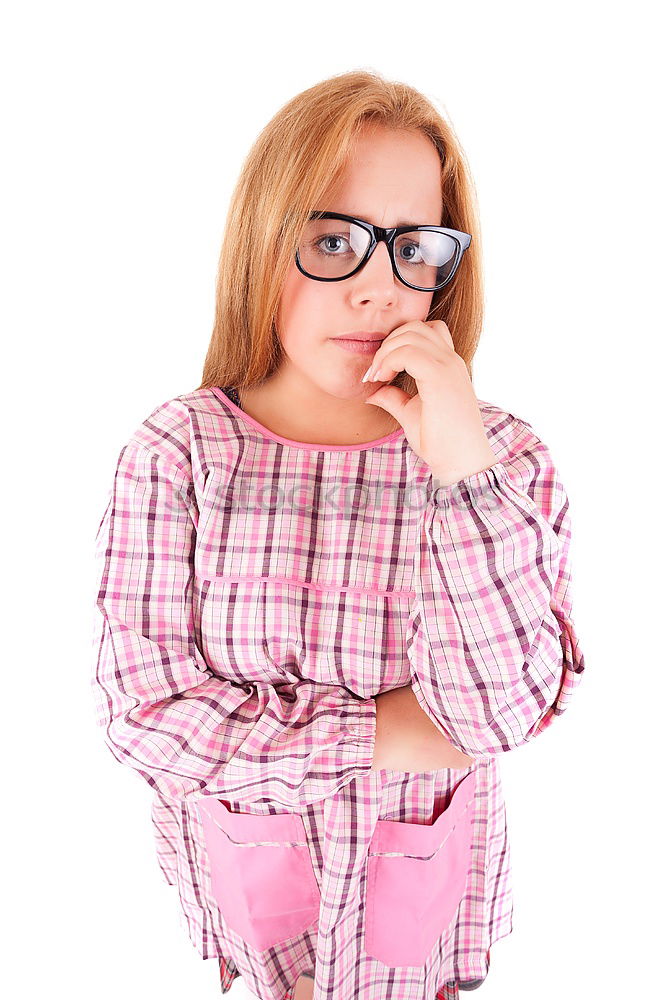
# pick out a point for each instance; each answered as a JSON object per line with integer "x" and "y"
{"x": 397, "y": 225}
{"x": 408, "y": 223}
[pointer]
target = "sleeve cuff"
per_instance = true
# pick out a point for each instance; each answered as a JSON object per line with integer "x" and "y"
{"x": 365, "y": 731}
{"x": 471, "y": 491}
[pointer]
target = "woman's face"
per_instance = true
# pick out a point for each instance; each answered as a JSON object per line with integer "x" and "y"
{"x": 392, "y": 178}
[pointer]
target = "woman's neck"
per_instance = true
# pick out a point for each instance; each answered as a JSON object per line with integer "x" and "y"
{"x": 314, "y": 418}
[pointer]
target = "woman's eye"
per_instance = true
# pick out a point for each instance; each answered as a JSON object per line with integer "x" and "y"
{"x": 412, "y": 256}
{"x": 329, "y": 243}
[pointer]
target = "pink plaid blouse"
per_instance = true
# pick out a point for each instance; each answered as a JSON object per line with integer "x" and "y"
{"x": 253, "y": 595}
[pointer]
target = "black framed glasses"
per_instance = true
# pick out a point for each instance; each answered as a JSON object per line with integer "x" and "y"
{"x": 333, "y": 247}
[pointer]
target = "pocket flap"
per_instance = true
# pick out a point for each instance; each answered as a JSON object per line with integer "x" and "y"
{"x": 417, "y": 839}
{"x": 286, "y": 827}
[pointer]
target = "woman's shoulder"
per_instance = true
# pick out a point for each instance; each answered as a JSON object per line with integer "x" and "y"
{"x": 498, "y": 418}
{"x": 172, "y": 428}
{"x": 511, "y": 435}
{"x": 530, "y": 462}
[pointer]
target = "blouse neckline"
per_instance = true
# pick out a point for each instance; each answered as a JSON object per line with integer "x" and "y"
{"x": 304, "y": 445}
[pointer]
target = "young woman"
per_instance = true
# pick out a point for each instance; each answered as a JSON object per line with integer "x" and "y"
{"x": 334, "y": 584}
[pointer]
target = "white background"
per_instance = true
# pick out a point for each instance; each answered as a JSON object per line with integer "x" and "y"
{"x": 124, "y": 127}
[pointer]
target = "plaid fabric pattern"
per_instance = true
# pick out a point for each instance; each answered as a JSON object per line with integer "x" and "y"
{"x": 245, "y": 618}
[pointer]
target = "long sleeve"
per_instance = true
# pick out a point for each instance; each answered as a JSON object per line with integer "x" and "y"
{"x": 494, "y": 656}
{"x": 188, "y": 732}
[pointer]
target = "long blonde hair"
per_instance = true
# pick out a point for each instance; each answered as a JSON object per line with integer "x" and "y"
{"x": 296, "y": 158}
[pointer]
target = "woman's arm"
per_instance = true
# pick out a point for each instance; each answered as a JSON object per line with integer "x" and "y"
{"x": 492, "y": 645}
{"x": 188, "y": 732}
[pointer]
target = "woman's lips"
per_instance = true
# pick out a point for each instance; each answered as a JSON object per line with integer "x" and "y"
{"x": 359, "y": 346}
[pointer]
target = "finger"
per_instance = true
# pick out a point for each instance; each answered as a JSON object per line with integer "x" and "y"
{"x": 399, "y": 336}
{"x": 412, "y": 358}
{"x": 440, "y": 327}
{"x": 417, "y": 326}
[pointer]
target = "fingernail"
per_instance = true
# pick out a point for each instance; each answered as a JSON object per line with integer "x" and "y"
{"x": 365, "y": 377}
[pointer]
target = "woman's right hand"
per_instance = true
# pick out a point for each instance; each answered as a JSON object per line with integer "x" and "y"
{"x": 407, "y": 740}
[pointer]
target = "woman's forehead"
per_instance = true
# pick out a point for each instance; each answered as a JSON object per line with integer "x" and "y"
{"x": 390, "y": 183}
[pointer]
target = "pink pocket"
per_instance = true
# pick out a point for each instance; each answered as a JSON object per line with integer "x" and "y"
{"x": 262, "y": 875}
{"x": 416, "y": 879}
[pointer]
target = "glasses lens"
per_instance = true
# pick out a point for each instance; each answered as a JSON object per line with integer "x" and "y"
{"x": 424, "y": 258}
{"x": 332, "y": 248}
